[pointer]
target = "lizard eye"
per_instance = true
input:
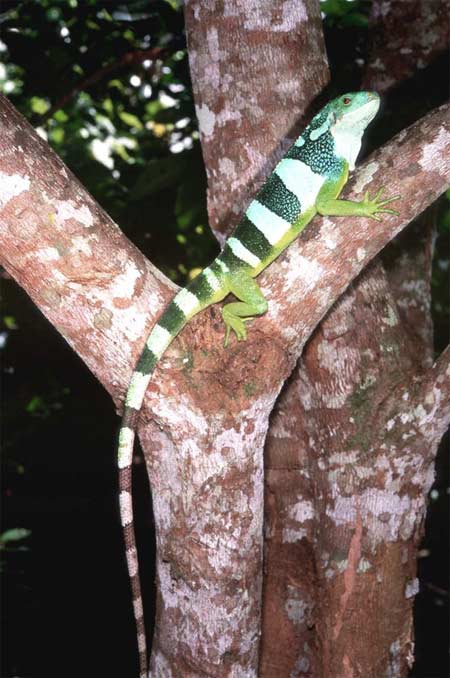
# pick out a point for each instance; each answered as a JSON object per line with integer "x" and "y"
{"x": 346, "y": 101}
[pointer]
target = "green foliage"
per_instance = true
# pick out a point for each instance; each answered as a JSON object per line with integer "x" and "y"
{"x": 13, "y": 535}
{"x": 346, "y": 13}
{"x": 108, "y": 85}
{"x": 10, "y": 322}
{"x": 42, "y": 406}
{"x": 131, "y": 120}
{"x": 39, "y": 105}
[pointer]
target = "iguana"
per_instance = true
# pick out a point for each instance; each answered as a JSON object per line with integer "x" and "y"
{"x": 306, "y": 182}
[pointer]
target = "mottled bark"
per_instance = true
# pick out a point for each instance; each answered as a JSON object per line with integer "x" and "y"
{"x": 352, "y": 442}
{"x": 331, "y": 612}
{"x": 407, "y": 262}
{"x": 405, "y": 37}
{"x": 371, "y": 435}
{"x": 256, "y": 66}
{"x": 87, "y": 278}
{"x": 289, "y": 643}
{"x": 282, "y": 46}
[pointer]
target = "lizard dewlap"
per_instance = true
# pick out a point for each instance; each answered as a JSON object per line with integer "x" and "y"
{"x": 306, "y": 182}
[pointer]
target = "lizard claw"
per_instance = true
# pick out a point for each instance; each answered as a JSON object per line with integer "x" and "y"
{"x": 375, "y": 206}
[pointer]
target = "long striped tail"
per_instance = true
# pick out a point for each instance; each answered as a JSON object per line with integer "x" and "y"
{"x": 180, "y": 310}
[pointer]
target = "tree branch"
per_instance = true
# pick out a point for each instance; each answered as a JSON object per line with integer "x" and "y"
{"x": 397, "y": 54}
{"x": 87, "y": 278}
{"x": 425, "y": 403}
{"x": 321, "y": 264}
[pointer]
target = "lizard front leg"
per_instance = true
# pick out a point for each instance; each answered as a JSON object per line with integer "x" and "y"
{"x": 252, "y": 303}
{"x": 328, "y": 204}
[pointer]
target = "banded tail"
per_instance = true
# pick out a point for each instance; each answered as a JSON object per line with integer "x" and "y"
{"x": 207, "y": 288}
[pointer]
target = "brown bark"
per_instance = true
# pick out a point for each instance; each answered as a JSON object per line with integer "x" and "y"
{"x": 255, "y": 69}
{"x": 317, "y": 620}
{"x": 233, "y": 106}
{"x": 89, "y": 280}
{"x": 352, "y": 443}
{"x": 407, "y": 262}
{"x": 405, "y": 37}
{"x": 371, "y": 465}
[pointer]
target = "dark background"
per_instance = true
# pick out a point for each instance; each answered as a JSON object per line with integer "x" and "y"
{"x": 108, "y": 84}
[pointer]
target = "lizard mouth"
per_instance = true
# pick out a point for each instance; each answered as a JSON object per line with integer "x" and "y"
{"x": 373, "y": 104}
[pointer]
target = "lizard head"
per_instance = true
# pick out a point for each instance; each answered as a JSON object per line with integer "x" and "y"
{"x": 349, "y": 116}
{"x": 354, "y": 111}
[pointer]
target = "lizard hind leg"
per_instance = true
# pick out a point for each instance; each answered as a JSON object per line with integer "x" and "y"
{"x": 251, "y": 303}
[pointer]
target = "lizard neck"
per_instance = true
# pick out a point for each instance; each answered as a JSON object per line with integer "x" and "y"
{"x": 347, "y": 145}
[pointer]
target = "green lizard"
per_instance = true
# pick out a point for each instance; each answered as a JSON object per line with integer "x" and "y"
{"x": 306, "y": 182}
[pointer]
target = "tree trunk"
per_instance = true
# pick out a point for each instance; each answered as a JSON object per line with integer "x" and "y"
{"x": 256, "y": 67}
{"x": 332, "y": 577}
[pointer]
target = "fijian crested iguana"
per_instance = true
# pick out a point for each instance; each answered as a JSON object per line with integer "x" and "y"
{"x": 306, "y": 182}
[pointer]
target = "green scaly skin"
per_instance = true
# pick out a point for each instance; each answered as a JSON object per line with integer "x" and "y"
{"x": 306, "y": 182}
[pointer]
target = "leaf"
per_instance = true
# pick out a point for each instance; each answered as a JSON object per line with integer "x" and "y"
{"x": 346, "y": 12}
{"x": 57, "y": 135}
{"x": 60, "y": 116}
{"x": 39, "y": 105}
{"x": 131, "y": 120}
{"x": 332, "y": 8}
{"x": 117, "y": 84}
{"x": 108, "y": 106}
{"x": 14, "y": 534}
{"x": 10, "y": 322}
{"x": 37, "y": 407}
{"x": 175, "y": 4}
{"x": 356, "y": 19}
